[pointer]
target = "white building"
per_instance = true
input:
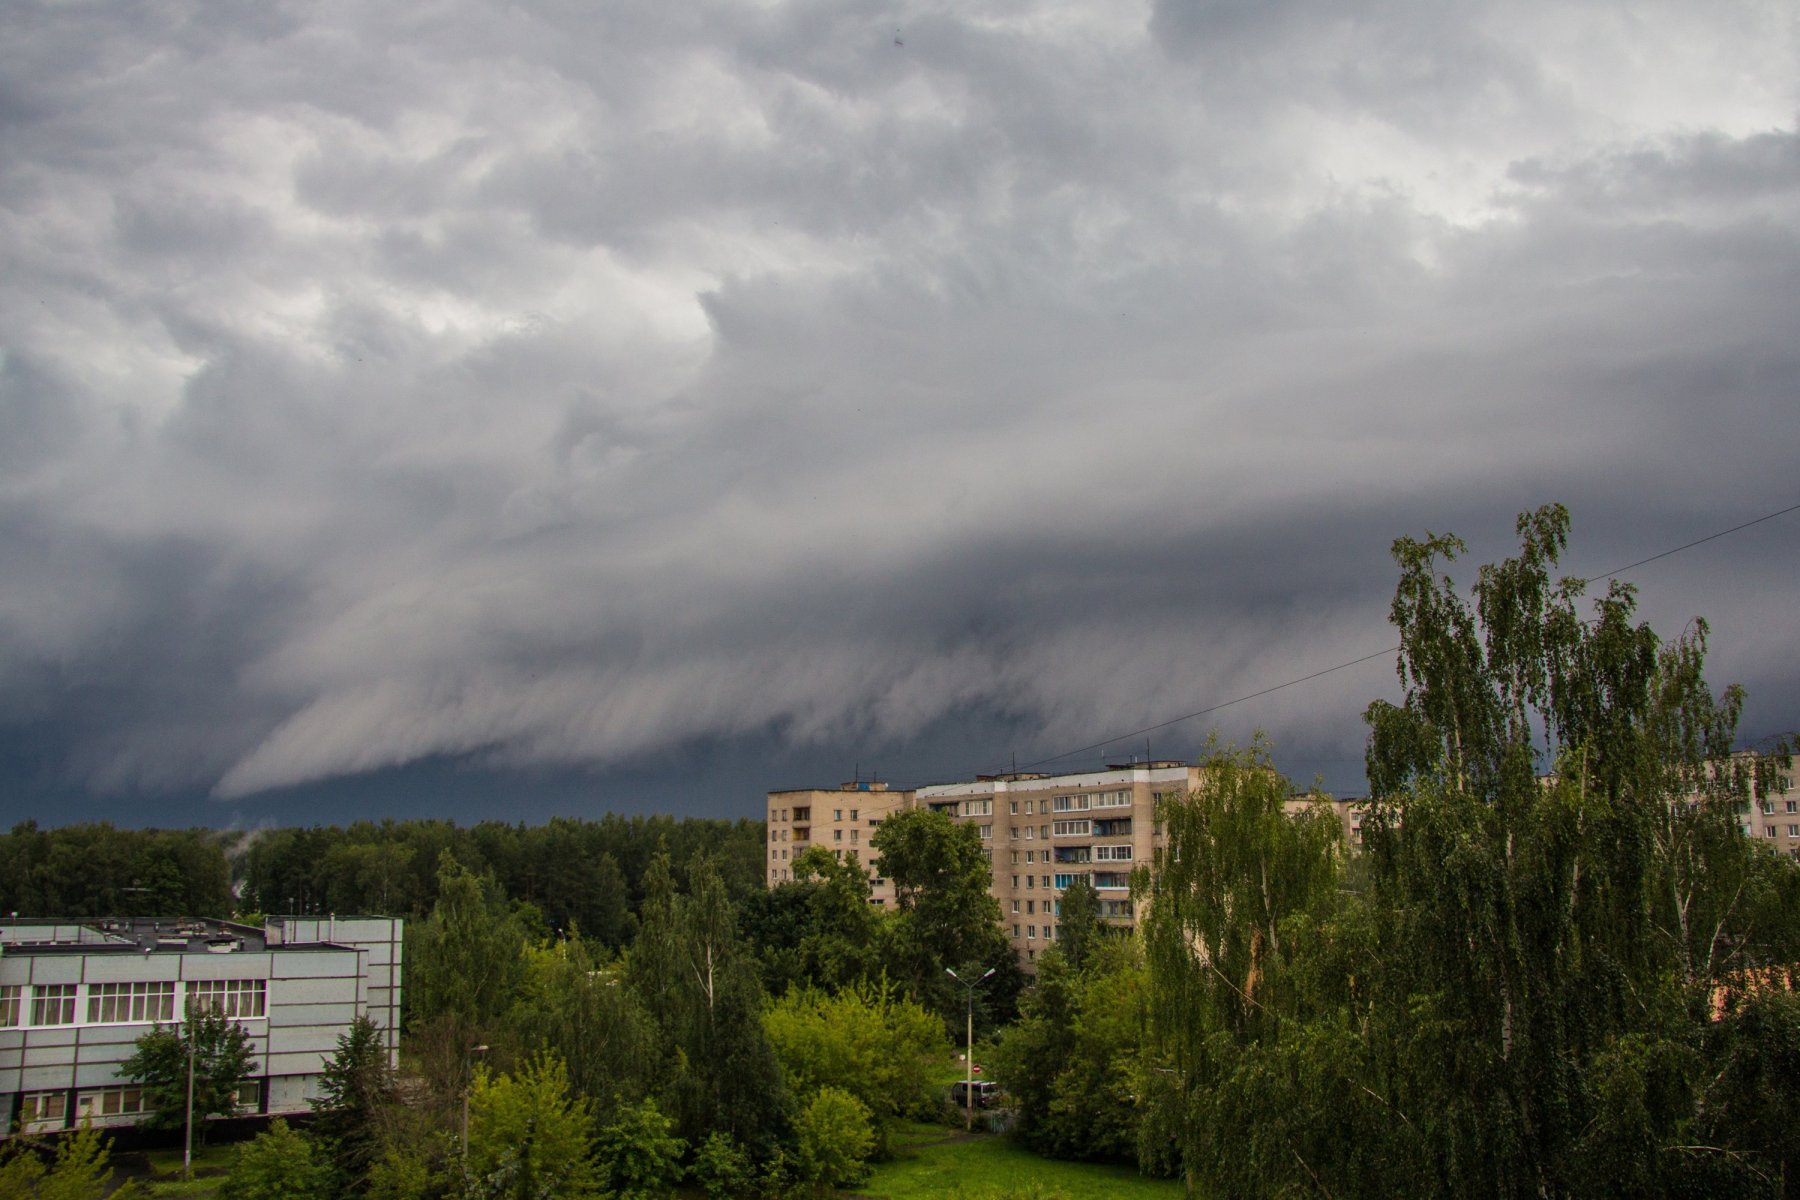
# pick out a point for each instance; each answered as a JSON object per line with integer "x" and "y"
{"x": 75, "y": 998}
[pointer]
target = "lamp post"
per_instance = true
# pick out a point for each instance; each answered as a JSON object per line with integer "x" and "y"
{"x": 468, "y": 1082}
{"x": 187, "y": 1149}
{"x": 969, "y": 1053}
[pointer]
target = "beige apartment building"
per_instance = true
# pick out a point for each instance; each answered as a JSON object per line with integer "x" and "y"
{"x": 841, "y": 819}
{"x": 1043, "y": 832}
{"x": 1040, "y": 832}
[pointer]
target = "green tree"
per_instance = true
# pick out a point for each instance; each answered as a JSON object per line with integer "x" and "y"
{"x": 871, "y": 1042}
{"x": 278, "y": 1164}
{"x": 221, "y": 1063}
{"x": 466, "y": 959}
{"x": 691, "y": 971}
{"x": 1554, "y": 897}
{"x": 81, "y": 1169}
{"x": 356, "y": 1089}
{"x": 1078, "y": 921}
{"x": 1073, "y": 1062}
{"x": 639, "y": 1154}
{"x": 946, "y": 916}
{"x": 528, "y": 1136}
{"x": 574, "y": 1005}
{"x": 722, "y": 1167}
{"x": 833, "y": 1140}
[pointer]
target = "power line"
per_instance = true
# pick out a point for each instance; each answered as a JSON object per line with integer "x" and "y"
{"x": 1780, "y": 512}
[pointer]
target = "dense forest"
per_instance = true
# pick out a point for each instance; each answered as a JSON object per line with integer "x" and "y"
{"x": 577, "y": 874}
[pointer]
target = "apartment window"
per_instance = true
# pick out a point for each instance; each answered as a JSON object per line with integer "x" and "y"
{"x": 1112, "y": 853}
{"x": 853, "y": 814}
{"x": 1031, "y": 932}
{"x": 837, "y": 814}
{"x": 1070, "y": 804}
{"x": 1044, "y": 832}
{"x": 987, "y": 832}
{"x": 1015, "y": 882}
{"x": 249, "y": 1094}
{"x": 837, "y": 835}
{"x": 784, "y": 856}
{"x": 1112, "y": 800}
{"x": 1768, "y": 808}
{"x": 113, "y": 1002}
{"x": 1794, "y": 830}
{"x": 233, "y": 997}
{"x": 1031, "y": 881}
{"x": 1015, "y": 858}
{"x": 1074, "y": 828}
{"x": 53, "y": 1004}
{"x": 37, "y": 1108}
{"x": 111, "y": 1102}
{"x": 1015, "y": 808}
{"x": 1015, "y": 931}
{"x": 9, "y": 1006}
{"x": 1793, "y": 805}
{"x": 1030, "y": 907}
{"x": 1015, "y": 905}
{"x": 853, "y": 835}
{"x": 1049, "y": 933}
{"x": 1064, "y": 881}
{"x": 1768, "y": 831}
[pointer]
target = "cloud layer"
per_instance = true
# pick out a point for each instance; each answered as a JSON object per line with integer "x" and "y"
{"x": 556, "y": 387}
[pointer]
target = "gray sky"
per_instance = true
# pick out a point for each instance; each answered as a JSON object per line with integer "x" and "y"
{"x": 489, "y": 410}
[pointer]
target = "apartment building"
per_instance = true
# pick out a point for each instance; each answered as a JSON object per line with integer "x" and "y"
{"x": 74, "y": 998}
{"x": 1774, "y": 820}
{"x": 841, "y": 819}
{"x": 1043, "y": 832}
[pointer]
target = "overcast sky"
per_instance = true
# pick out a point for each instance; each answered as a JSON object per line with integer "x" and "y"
{"x": 502, "y": 409}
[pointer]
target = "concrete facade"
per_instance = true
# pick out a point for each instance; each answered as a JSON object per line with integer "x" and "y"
{"x": 840, "y": 819}
{"x": 75, "y": 998}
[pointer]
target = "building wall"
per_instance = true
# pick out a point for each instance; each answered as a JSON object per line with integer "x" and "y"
{"x": 311, "y": 991}
{"x": 841, "y": 819}
{"x": 1040, "y": 832}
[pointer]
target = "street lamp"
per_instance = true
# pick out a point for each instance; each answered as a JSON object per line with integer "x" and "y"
{"x": 969, "y": 1054}
{"x": 187, "y": 1149}
{"x": 468, "y": 1082}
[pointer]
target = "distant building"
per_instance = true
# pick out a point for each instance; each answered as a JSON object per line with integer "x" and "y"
{"x": 1040, "y": 832}
{"x": 74, "y": 998}
{"x": 840, "y": 819}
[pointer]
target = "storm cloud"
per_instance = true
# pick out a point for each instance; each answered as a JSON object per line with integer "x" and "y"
{"x": 555, "y": 386}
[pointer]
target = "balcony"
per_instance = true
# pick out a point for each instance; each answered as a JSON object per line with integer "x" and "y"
{"x": 1118, "y": 827}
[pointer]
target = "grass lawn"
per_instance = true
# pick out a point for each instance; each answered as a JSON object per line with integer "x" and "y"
{"x": 931, "y": 1160}
{"x": 158, "y": 1172}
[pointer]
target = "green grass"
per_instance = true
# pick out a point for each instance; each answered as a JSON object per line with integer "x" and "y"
{"x": 163, "y": 1180}
{"x": 932, "y": 1161}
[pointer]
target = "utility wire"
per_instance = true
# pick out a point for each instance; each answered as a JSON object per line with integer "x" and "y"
{"x": 1354, "y": 662}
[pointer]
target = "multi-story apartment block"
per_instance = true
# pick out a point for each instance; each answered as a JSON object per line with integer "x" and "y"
{"x": 1774, "y": 820}
{"x": 840, "y": 819}
{"x": 75, "y": 998}
{"x": 1043, "y": 832}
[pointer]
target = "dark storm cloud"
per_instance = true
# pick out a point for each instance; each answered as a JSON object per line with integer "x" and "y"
{"x": 549, "y": 388}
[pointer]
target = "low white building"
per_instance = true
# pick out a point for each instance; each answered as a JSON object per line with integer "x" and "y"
{"x": 74, "y": 998}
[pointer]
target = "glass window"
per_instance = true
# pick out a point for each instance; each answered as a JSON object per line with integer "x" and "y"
{"x": 111, "y": 1102}
{"x": 113, "y": 1002}
{"x": 42, "y": 1107}
{"x": 233, "y": 997}
{"x": 9, "y": 1006}
{"x": 53, "y": 1004}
